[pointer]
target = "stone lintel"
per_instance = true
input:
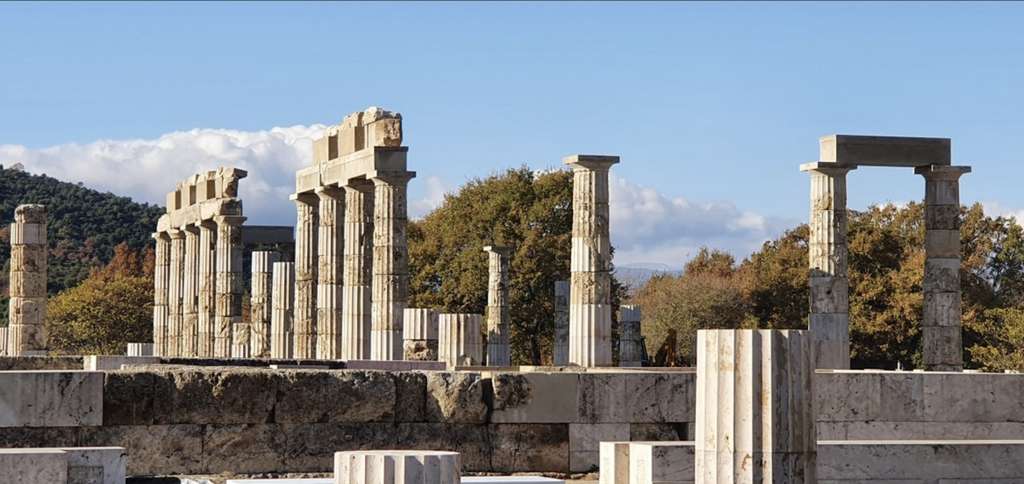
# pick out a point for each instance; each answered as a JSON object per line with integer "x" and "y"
{"x": 307, "y": 198}
{"x": 884, "y": 150}
{"x": 827, "y": 167}
{"x": 205, "y": 210}
{"x": 593, "y": 162}
{"x": 330, "y": 191}
{"x": 942, "y": 171}
{"x": 357, "y": 165}
{"x": 393, "y": 177}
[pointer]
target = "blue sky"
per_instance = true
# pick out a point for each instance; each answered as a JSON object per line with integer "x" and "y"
{"x": 710, "y": 105}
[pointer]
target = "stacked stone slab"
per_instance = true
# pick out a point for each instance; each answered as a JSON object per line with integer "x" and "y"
{"x": 498, "y": 318}
{"x": 198, "y": 278}
{"x": 630, "y": 341}
{"x": 755, "y": 407}
{"x": 590, "y": 309}
{"x": 420, "y": 334}
{"x": 458, "y": 339}
{"x": 561, "y": 340}
{"x": 260, "y": 304}
{"x": 26, "y": 334}
{"x": 283, "y": 303}
{"x": 397, "y": 467}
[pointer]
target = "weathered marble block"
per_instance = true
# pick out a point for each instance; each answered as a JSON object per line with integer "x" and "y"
{"x": 51, "y": 398}
{"x": 33, "y": 466}
{"x": 397, "y": 467}
{"x": 662, "y": 463}
{"x": 108, "y": 362}
{"x": 96, "y": 465}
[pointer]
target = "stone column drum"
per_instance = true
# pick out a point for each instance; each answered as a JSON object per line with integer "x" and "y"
{"x": 942, "y": 346}
{"x": 26, "y": 334}
{"x": 161, "y": 267}
{"x": 358, "y": 270}
{"x": 174, "y": 292}
{"x": 260, "y": 302}
{"x": 755, "y": 407}
{"x": 561, "y": 339}
{"x": 590, "y": 309}
{"x": 304, "y": 320}
{"x": 229, "y": 290}
{"x": 3, "y": 341}
{"x": 397, "y": 467}
{"x": 458, "y": 339}
{"x": 330, "y": 249}
{"x": 498, "y": 319}
{"x": 829, "y": 286}
{"x": 419, "y": 334}
{"x": 630, "y": 341}
{"x": 283, "y": 302}
{"x": 190, "y": 293}
{"x": 390, "y": 264}
{"x": 207, "y": 289}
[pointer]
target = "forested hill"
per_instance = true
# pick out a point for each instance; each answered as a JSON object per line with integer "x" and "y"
{"x": 84, "y": 226}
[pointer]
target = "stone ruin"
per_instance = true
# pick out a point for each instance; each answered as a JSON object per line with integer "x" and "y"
{"x": 25, "y": 333}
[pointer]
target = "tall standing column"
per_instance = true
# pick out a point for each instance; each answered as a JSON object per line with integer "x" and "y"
{"x": 190, "y": 292}
{"x": 26, "y": 334}
{"x": 283, "y": 301}
{"x": 390, "y": 264}
{"x": 304, "y": 319}
{"x": 630, "y": 341}
{"x": 260, "y": 303}
{"x": 942, "y": 347}
{"x": 590, "y": 304}
{"x": 829, "y": 286}
{"x": 161, "y": 269}
{"x": 498, "y": 353}
{"x": 755, "y": 407}
{"x": 174, "y": 292}
{"x": 207, "y": 305}
{"x": 330, "y": 248}
{"x": 228, "y": 323}
{"x": 561, "y": 339}
{"x": 358, "y": 271}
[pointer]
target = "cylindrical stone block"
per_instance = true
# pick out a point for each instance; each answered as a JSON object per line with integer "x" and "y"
{"x": 283, "y": 302}
{"x": 358, "y": 271}
{"x": 330, "y": 250}
{"x": 755, "y": 407}
{"x": 207, "y": 305}
{"x": 397, "y": 467}
{"x": 229, "y": 284}
{"x": 306, "y": 255}
{"x": 459, "y": 340}
{"x": 630, "y": 340}
{"x": 390, "y": 265}
{"x": 561, "y": 339}
{"x": 161, "y": 267}
{"x": 498, "y": 318}
{"x": 260, "y": 305}
{"x": 419, "y": 334}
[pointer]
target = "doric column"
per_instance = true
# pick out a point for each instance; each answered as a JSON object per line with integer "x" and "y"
{"x": 304, "y": 321}
{"x": 283, "y": 302}
{"x": 330, "y": 249}
{"x": 229, "y": 287}
{"x": 390, "y": 264}
{"x": 590, "y": 308}
{"x": 26, "y": 333}
{"x": 175, "y": 280}
{"x": 161, "y": 269}
{"x": 207, "y": 306}
{"x": 942, "y": 347}
{"x": 755, "y": 407}
{"x": 190, "y": 292}
{"x": 458, "y": 339}
{"x": 358, "y": 270}
{"x": 498, "y": 352}
{"x": 630, "y": 342}
{"x": 260, "y": 305}
{"x": 561, "y": 339}
{"x": 829, "y": 286}
{"x": 419, "y": 334}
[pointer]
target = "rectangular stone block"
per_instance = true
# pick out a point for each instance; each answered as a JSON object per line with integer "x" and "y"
{"x": 942, "y": 217}
{"x": 585, "y": 443}
{"x": 831, "y": 345}
{"x": 529, "y": 447}
{"x": 217, "y": 395}
{"x": 884, "y": 150}
{"x": 941, "y": 309}
{"x": 941, "y": 275}
{"x": 661, "y": 462}
{"x": 614, "y": 461}
{"x": 942, "y": 347}
{"x": 926, "y": 461}
{"x": 96, "y": 465}
{"x": 973, "y": 397}
{"x": 603, "y": 398}
{"x": 535, "y": 397}
{"x": 153, "y": 449}
{"x": 51, "y": 398}
{"x": 829, "y": 294}
{"x": 33, "y": 466}
{"x": 661, "y": 397}
{"x": 942, "y": 243}
{"x": 107, "y": 362}
{"x": 846, "y": 396}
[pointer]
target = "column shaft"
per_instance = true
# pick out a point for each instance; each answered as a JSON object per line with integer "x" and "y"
{"x": 229, "y": 288}
{"x": 161, "y": 268}
{"x": 283, "y": 301}
{"x": 260, "y": 303}
{"x": 175, "y": 281}
{"x": 498, "y": 352}
{"x": 390, "y": 265}
{"x": 330, "y": 249}
{"x": 419, "y": 334}
{"x": 358, "y": 270}
{"x": 190, "y": 293}
{"x": 304, "y": 321}
{"x": 207, "y": 305}
{"x": 26, "y": 333}
{"x": 458, "y": 339}
{"x": 561, "y": 339}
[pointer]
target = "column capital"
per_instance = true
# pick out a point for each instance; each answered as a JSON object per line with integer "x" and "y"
{"x": 329, "y": 191}
{"x": 391, "y": 177}
{"x": 190, "y": 228}
{"x": 829, "y": 168}
{"x": 175, "y": 234}
{"x": 591, "y": 162}
{"x": 942, "y": 172}
{"x": 232, "y": 220}
{"x": 305, "y": 198}
{"x": 359, "y": 185}
{"x": 163, "y": 235}
{"x": 497, "y": 249}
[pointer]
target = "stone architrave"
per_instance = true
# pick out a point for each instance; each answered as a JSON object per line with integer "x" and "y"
{"x": 419, "y": 334}
{"x": 459, "y": 340}
{"x": 207, "y": 304}
{"x": 175, "y": 289}
{"x": 397, "y": 467}
{"x": 498, "y": 319}
{"x": 942, "y": 348}
{"x": 260, "y": 303}
{"x": 390, "y": 264}
{"x": 190, "y": 293}
{"x": 26, "y": 333}
{"x": 283, "y": 301}
{"x": 330, "y": 249}
{"x": 755, "y": 407}
{"x": 229, "y": 290}
{"x": 358, "y": 270}
{"x": 161, "y": 269}
{"x": 590, "y": 309}
{"x": 630, "y": 340}
{"x": 561, "y": 340}
{"x": 829, "y": 286}
{"x": 304, "y": 320}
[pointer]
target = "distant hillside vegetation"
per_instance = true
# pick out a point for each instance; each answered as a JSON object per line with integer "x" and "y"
{"x": 84, "y": 227}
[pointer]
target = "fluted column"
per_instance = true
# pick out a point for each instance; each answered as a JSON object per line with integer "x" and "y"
{"x": 755, "y": 407}
{"x": 828, "y": 283}
{"x": 419, "y": 334}
{"x": 174, "y": 292}
{"x": 561, "y": 339}
{"x": 458, "y": 339}
{"x": 498, "y": 352}
{"x": 260, "y": 302}
{"x": 390, "y": 264}
{"x": 228, "y": 323}
{"x": 161, "y": 269}
{"x": 190, "y": 292}
{"x": 630, "y": 341}
{"x": 590, "y": 308}
{"x": 283, "y": 302}
{"x": 304, "y": 320}
{"x": 330, "y": 249}
{"x": 358, "y": 270}
{"x": 942, "y": 344}
{"x": 207, "y": 305}
{"x": 26, "y": 333}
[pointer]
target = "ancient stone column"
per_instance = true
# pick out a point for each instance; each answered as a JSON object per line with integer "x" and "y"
{"x": 190, "y": 293}
{"x": 260, "y": 305}
{"x": 358, "y": 270}
{"x": 161, "y": 269}
{"x": 397, "y": 467}
{"x": 228, "y": 322}
{"x": 390, "y": 264}
{"x": 3, "y": 341}
{"x": 207, "y": 305}
{"x": 942, "y": 347}
{"x": 590, "y": 308}
{"x": 458, "y": 339}
{"x": 283, "y": 301}
{"x": 26, "y": 334}
{"x": 631, "y": 346}
{"x": 304, "y": 323}
{"x": 419, "y": 334}
{"x": 498, "y": 319}
{"x": 175, "y": 280}
{"x": 561, "y": 340}
{"x": 330, "y": 249}
{"x": 829, "y": 286}
{"x": 755, "y": 407}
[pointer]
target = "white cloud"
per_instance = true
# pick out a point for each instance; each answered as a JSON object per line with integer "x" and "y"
{"x": 996, "y": 209}
{"x": 433, "y": 198}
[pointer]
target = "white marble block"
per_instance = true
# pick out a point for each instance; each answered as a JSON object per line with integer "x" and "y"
{"x": 33, "y": 466}
{"x": 459, "y": 340}
{"x": 51, "y": 398}
{"x": 106, "y": 362}
{"x": 397, "y": 467}
{"x": 614, "y": 463}
{"x": 661, "y": 463}
{"x": 96, "y": 465}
